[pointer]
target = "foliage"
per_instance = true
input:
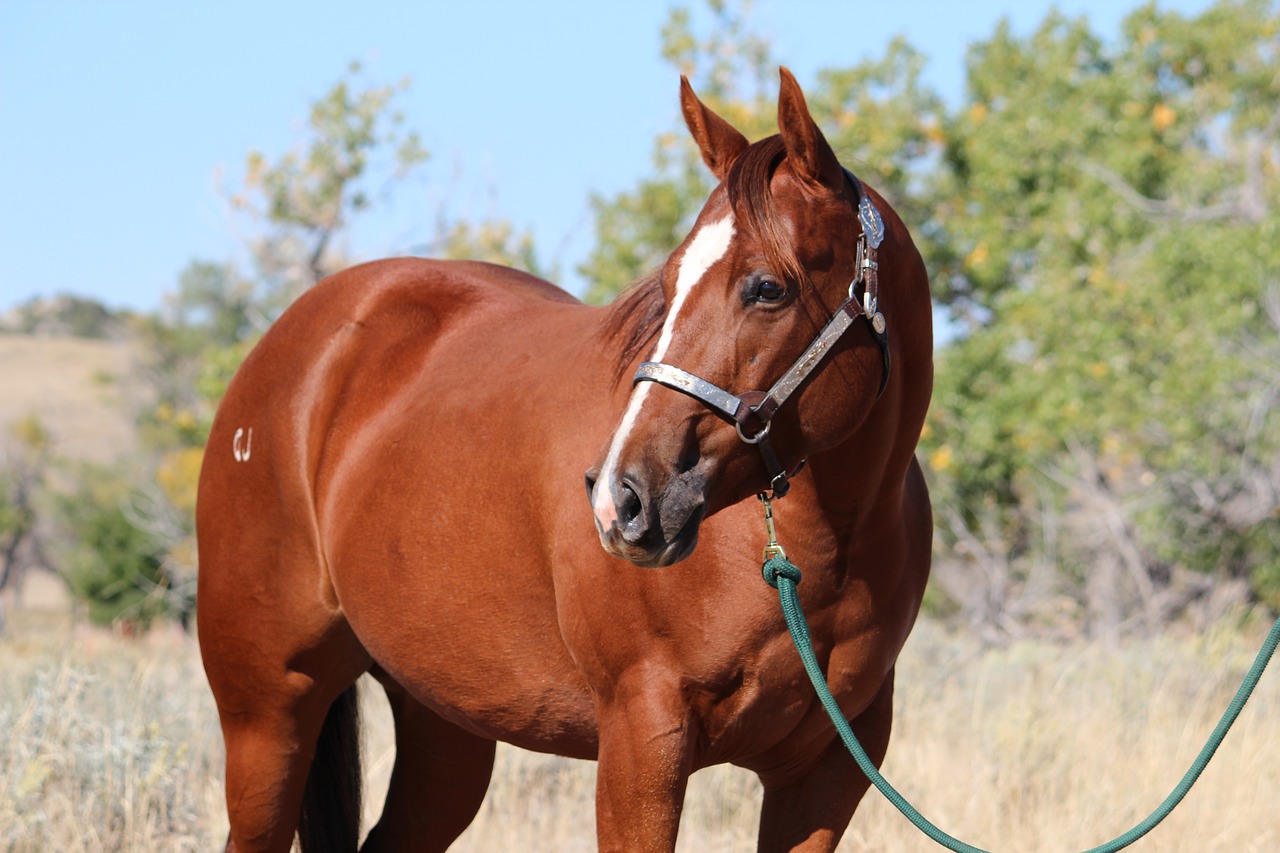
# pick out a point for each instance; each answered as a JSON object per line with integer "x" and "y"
{"x": 25, "y": 454}
{"x": 1111, "y": 213}
{"x": 135, "y": 556}
{"x": 111, "y": 562}
{"x": 492, "y": 240}
{"x": 886, "y": 126}
{"x": 355, "y": 153}
{"x": 66, "y": 314}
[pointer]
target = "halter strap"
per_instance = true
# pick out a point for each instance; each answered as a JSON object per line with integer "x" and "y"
{"x": 679, "y": 379}
{"x": 737, "y": 409}
{"x": 762, "y": 406}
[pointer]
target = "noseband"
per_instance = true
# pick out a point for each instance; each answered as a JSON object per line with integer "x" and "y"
{"x": 754, "y": 410}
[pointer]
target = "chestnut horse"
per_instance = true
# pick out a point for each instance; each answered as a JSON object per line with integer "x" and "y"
{"x": 393, "y": 485}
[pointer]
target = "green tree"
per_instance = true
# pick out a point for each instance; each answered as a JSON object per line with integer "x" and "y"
{"x": 111, "y": 562}
{"x": 493, "y": 240}
{"x": 1108, "y": 217}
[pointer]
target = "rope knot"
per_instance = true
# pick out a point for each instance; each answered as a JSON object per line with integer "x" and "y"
{"x": 779, "y": 566}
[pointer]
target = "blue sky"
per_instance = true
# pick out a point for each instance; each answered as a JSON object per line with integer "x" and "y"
{"x": 120, "y": 120}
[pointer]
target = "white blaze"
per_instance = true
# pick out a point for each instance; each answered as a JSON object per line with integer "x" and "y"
{"x": 707, "y": 247}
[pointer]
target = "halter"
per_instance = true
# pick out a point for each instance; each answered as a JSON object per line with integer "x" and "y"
{"x": 760, "y": 406}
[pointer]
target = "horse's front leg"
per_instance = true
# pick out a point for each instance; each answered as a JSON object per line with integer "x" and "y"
{"x": 644, "y": 763}
{"x": 810, "y": 813}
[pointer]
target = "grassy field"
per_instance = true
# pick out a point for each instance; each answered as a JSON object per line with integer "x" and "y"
{"x": 113, "y": 744}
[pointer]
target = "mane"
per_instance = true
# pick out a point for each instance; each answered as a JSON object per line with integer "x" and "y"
{"x": 636, "y": 315}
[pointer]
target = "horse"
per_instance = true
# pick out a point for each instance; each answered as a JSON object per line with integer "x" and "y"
{"x": 393, "y": 485}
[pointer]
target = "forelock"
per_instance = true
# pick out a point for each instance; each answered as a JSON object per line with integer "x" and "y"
{"x": 754, "y": 206}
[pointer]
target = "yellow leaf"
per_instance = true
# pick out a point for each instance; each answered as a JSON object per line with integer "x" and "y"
{"x": 178, "y": 476}
{"x": 33, "y": 777}
{"x": 977, "y": 256}
{"x": 1162, "y": 117}
{"x": 31, "y": 432}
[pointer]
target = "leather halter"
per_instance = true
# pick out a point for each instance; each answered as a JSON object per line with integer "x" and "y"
{"x": 754, "y": 408}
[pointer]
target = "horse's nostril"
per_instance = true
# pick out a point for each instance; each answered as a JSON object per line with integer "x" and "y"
{"x": 629, "y": 505}
{"x": 591, "y": 477}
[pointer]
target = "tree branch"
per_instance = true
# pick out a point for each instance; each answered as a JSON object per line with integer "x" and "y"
{"x": 1165, "y": 209}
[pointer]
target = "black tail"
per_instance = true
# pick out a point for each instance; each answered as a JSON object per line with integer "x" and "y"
{"x": 331, "y": 804}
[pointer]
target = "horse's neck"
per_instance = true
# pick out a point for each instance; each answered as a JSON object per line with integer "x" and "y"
{"x": 863, "y": 473}
{"x": 863, "y": 476}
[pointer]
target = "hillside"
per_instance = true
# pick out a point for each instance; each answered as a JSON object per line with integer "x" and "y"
{"x": 77, "y": 388}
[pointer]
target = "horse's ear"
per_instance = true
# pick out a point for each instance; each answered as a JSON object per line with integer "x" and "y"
{"x": 808, "y": 150}
{"x": 719, "y": 142}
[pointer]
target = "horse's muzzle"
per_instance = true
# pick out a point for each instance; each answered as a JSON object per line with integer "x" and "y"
{"x": 649, "y": 530}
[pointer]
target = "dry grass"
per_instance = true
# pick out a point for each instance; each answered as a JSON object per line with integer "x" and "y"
{"x": 109, "y": 744}
{"x": 113, "y": 745}
{"x": 1052, "y": 748}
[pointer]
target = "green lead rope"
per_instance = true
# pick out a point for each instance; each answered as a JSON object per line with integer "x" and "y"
{"x": 783, "y": 575}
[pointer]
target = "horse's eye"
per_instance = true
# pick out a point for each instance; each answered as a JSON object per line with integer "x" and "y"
{"x": 767, "y": 290}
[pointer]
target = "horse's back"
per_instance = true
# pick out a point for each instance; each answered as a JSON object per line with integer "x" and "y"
{"x": 403, "y": 299}
{"x": 366, "y": 320}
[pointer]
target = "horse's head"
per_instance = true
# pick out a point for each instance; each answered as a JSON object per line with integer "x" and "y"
{"x": 758, "y": 298}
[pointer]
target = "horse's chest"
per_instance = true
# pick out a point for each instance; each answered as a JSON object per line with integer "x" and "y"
{"x": 775, "y": 707}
